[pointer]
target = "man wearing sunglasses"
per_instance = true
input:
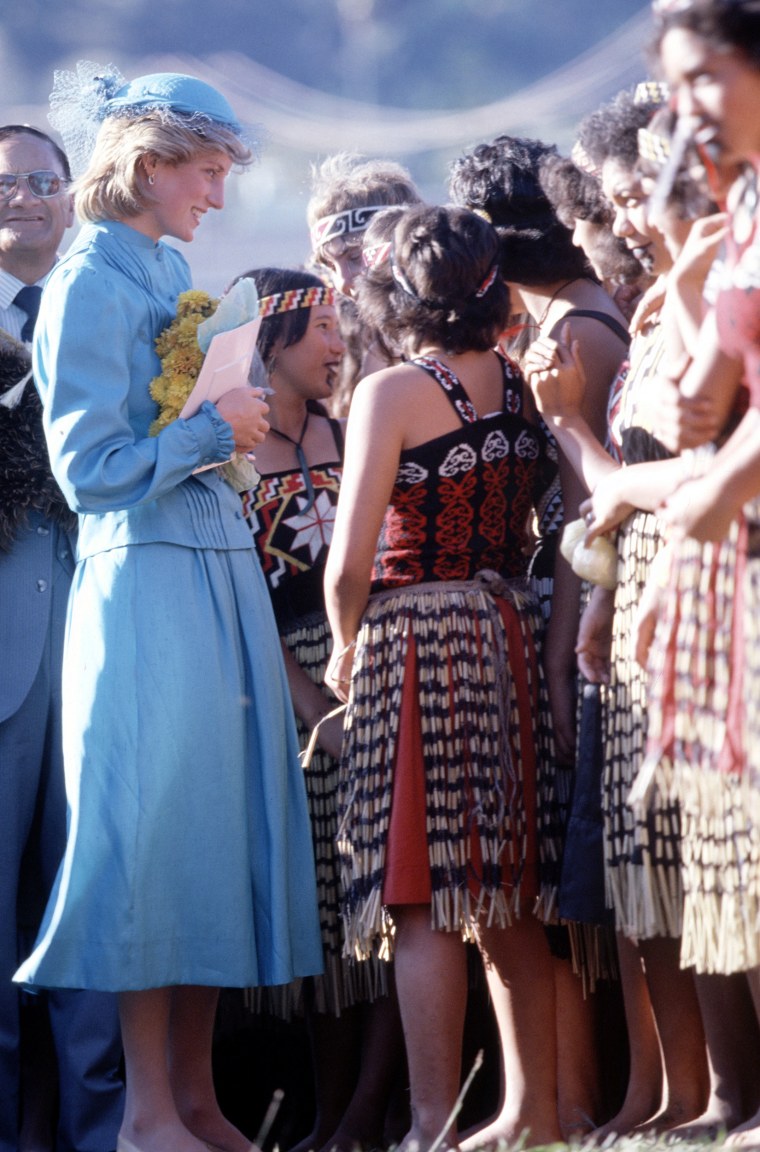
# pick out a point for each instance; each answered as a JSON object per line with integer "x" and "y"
{"x": 59, "y": 1052}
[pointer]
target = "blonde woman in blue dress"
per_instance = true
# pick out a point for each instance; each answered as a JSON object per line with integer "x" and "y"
{"x": 189, "y": 863}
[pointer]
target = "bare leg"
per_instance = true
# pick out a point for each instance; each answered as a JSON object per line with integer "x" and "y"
{"x": 381, "y": 1055}
{"x": 679, "y": 1027}
{"x": 520, "y": 977}
{"x": 191, "y": 1028}
{"x": 335, "y": 1043}
{"x": 578, "y": 1073}
{"x": 431, "y": 978}
{"x": 747, "y": 1135}
{"x": 151, "y": 1121}
{"x": 645, "y": 1084}
{"x": 733, "y": 1051}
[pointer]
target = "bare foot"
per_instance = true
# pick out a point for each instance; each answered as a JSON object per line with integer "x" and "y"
{"x": 629, "y": 1119}
{"x": 720, "y": 1117}
{"x": 412, "y": 1143}
{"x": 210, "y": 1126}
{"x": 747, "y": 1135}
{"x": 503, "y": 1132}
{"x": 578, "y": 1127}
{"x": 350, "y": 1140}
{"x": 674, "y": 1116}
{"x": 171, "y": 1134}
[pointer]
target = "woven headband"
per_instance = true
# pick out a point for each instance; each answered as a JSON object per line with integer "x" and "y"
{"x": 295, "y": 298}
{"x": 582, "y": 160}
{"x": 651, "y": 92}
{"x": 375, "y": 254}
{"x": 653, "y": 147}
{"x": 341, "y": 223}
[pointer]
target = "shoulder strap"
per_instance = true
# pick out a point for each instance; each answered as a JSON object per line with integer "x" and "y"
{"x": 514, "y": 383}
{"x": 603, "y": 318}
{"x": 337, "y": 431}
{"x": 451, "y": 385}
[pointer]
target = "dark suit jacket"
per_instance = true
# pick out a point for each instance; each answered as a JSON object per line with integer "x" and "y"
{"x": 27, "y": 574}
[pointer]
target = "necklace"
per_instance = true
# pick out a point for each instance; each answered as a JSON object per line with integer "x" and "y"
{"x": 301, "y": 457}
{"x": 553, "y": 297}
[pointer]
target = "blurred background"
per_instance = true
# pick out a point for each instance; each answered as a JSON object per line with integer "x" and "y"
{"x": 414, "y": 80}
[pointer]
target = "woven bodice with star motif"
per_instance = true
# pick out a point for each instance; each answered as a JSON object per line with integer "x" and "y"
{"x": 463, "y": 502}
{"x": 291, "y": 538}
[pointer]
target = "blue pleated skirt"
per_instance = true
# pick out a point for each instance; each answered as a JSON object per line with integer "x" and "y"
{"x": 189, "y": 856}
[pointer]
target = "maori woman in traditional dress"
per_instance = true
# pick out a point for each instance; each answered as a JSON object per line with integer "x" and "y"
{"x": 551, "y": 284}
{"x": 436, "y": 651}
{"x": 668, "y": 1072}
{"x": 353, "y": 1024}
{"x": 706, "y": 725}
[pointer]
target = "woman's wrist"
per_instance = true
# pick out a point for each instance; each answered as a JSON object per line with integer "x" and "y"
{"x": 340, "y": 664}
{"x": 317, "y": 712}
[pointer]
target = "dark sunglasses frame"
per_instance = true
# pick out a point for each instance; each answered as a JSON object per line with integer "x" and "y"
{"x": 32, "y": 179}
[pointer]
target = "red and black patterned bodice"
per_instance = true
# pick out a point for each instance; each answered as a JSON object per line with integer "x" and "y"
{"x": 292, "y": 533}
{"x": 463, "y": 502}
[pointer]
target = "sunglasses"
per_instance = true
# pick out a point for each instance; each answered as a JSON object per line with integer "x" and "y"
{"x": 43, "y": 184}
{"x": 339, "y": 247}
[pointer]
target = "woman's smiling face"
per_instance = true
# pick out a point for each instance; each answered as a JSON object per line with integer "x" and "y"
{"x": 717, "y": 88}
{"x": 623, "y": 188}
{"x": 181, "y": 194}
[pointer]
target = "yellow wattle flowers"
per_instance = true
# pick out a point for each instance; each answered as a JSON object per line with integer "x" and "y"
{"x": 181, "y": 356}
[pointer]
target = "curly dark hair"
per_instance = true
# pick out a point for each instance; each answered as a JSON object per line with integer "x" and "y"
{"x": 501, "y": 178}
{"x": 577, "y": 195}
{"x": 432, "y": 287}
{"x": 722, "y": 23}
{"x": 611, "y": 131}
{"x": 572, "y": 193}
{"x": 290, "y": 327}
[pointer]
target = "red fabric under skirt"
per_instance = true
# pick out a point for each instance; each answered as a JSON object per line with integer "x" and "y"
{"x": 446, "y": 774}
{"x": 407, "y": 877}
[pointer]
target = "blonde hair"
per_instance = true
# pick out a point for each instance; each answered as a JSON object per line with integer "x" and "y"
{"x": 348, "y": 180}
{"x": 113, "y": 186}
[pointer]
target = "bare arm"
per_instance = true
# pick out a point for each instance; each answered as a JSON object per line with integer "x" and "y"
{"x": 557, "y": 377}
{"x": 643, "y": 486}
{"x": 704, "y": 507}
{"x": 374, "y": 438}
{"x": 696, "y": 402}
{"x": 684, "y": 307}
{"x": 311, "y": 705}
{"x": 597, "y": 354}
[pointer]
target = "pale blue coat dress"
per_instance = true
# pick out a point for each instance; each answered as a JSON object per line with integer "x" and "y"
{"x": 189, "y": 856}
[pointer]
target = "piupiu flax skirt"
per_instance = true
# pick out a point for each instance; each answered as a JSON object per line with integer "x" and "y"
{"x": 642, "y": 849}
{"x": 346, "y": 980}
{"x": 705, "y": 742}
{"x": 446, "y": 790}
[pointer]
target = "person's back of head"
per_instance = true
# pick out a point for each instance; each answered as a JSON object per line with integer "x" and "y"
{"x": 440, "y": 284}
{"x": 501, "y": 179}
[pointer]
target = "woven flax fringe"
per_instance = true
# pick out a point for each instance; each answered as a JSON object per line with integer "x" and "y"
{"x": 694, "y": 665}
{"x": 642, "y": 848}
{"x": 470, "y": 717}
{"x": 593, "y": 953}
{"x": 346, "y": 981}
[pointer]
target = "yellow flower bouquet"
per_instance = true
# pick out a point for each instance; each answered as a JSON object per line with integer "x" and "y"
{"x": 182, "y": 348}
{"x": 181, "y": 356}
